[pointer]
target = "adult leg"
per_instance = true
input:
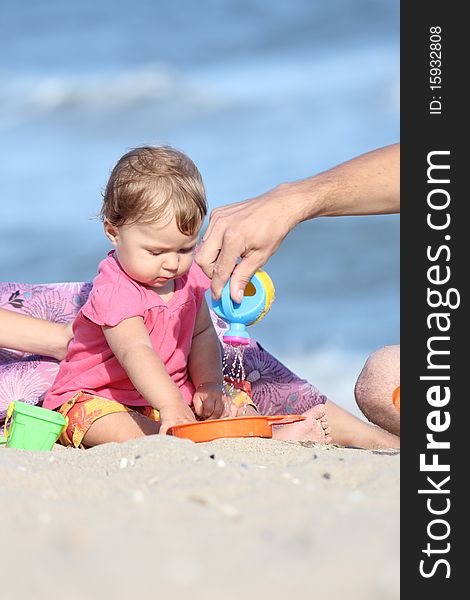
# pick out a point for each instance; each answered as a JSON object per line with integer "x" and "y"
{"x": 329, "y": 423}
{"x": 374, "y": 387}
{"x": 349, "y": 430}
{"x": 277, "y": 390}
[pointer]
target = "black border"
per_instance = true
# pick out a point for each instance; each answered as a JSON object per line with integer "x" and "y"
{"x": 422, "y": 132}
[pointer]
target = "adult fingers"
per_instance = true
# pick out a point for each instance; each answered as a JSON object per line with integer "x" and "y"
{"x": 210, "y": 246}
{"x": 213, "y": 221}
{"x": 232, "y": 248}
{"x": 242, "y": 274}
{"x": 217, "y": 235}
{"x": 221, "y": 213}
{"x": 207, "y": 254}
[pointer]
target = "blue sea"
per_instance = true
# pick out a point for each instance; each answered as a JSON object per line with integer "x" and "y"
{"x": 257, "y": 93}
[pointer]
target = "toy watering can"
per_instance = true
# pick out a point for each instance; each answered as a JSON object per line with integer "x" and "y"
{"x": 256, "y": 302}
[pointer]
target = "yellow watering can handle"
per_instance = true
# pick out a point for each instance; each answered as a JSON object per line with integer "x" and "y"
{"x": 11, "y": 408}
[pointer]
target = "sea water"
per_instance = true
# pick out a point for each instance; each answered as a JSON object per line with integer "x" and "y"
{"x": 256, "y": 93}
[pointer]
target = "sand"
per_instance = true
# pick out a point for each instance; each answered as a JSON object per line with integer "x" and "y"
{"x": 162, "y": 517}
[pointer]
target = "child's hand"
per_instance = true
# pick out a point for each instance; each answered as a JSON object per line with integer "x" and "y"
{"x": 174, "y": 413}
{"x": 209, "y": 400}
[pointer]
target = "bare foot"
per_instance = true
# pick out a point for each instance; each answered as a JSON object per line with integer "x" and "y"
{"x": 315, "y": 428}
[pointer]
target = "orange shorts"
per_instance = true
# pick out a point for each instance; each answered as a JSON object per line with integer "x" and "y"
{"x": 83, "y": 409}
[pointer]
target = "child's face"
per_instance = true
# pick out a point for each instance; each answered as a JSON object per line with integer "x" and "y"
{"x": 153, "y": 253}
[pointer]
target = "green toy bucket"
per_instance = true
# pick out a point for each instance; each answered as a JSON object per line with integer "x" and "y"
{"x": 30, "y": 427}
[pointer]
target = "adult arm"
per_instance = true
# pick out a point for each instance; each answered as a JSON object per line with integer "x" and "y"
{"x": 30, "y": 334}
{"x": 253, "y": 230}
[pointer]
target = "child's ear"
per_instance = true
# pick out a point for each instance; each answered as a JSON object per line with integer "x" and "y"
{"x": 112, "y": 232}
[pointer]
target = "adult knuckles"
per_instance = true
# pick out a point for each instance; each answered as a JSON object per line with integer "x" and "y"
{"x": 218, "y": 270}
{"x": 232, "y": 235}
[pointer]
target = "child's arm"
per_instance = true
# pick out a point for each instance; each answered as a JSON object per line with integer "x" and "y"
{"x": 30, "y": 334}
{"x": 205, "y": 367}
{"x": 130, "y": 343}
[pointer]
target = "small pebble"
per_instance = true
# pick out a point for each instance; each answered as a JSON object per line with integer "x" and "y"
{"x": 123, "y": 463}
{"x": 229, "y": 511}
{"x": 291, "y": 478}
{"x": 198, "y": 499}
{"x": 326, "y": 476}
{"x": 220, "y": 463}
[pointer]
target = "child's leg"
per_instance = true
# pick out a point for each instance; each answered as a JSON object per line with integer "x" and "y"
{"x": 93, "y": 420}
{"x": 119, "y": 427}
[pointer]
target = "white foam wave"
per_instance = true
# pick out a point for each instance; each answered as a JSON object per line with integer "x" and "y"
{"x": 262, "y": 81}
{"x": 29, "y": 96}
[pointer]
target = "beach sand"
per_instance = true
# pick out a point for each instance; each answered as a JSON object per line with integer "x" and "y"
{"x": 162, "y": 517}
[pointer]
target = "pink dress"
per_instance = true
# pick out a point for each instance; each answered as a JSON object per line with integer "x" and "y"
{"x": 91, "y": 366}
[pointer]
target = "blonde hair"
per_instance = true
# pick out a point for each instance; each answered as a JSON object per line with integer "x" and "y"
{"x": 151, "y": 183}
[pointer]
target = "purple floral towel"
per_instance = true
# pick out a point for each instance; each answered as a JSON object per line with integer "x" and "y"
{"x": 27, "y": 377}
{"x": 23, "y": 376}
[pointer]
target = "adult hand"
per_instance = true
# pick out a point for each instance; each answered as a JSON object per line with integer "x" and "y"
{"x": 251, "y": 231}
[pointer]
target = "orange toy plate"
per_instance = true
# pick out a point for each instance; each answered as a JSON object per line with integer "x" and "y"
{"x": 238, "y": 427}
